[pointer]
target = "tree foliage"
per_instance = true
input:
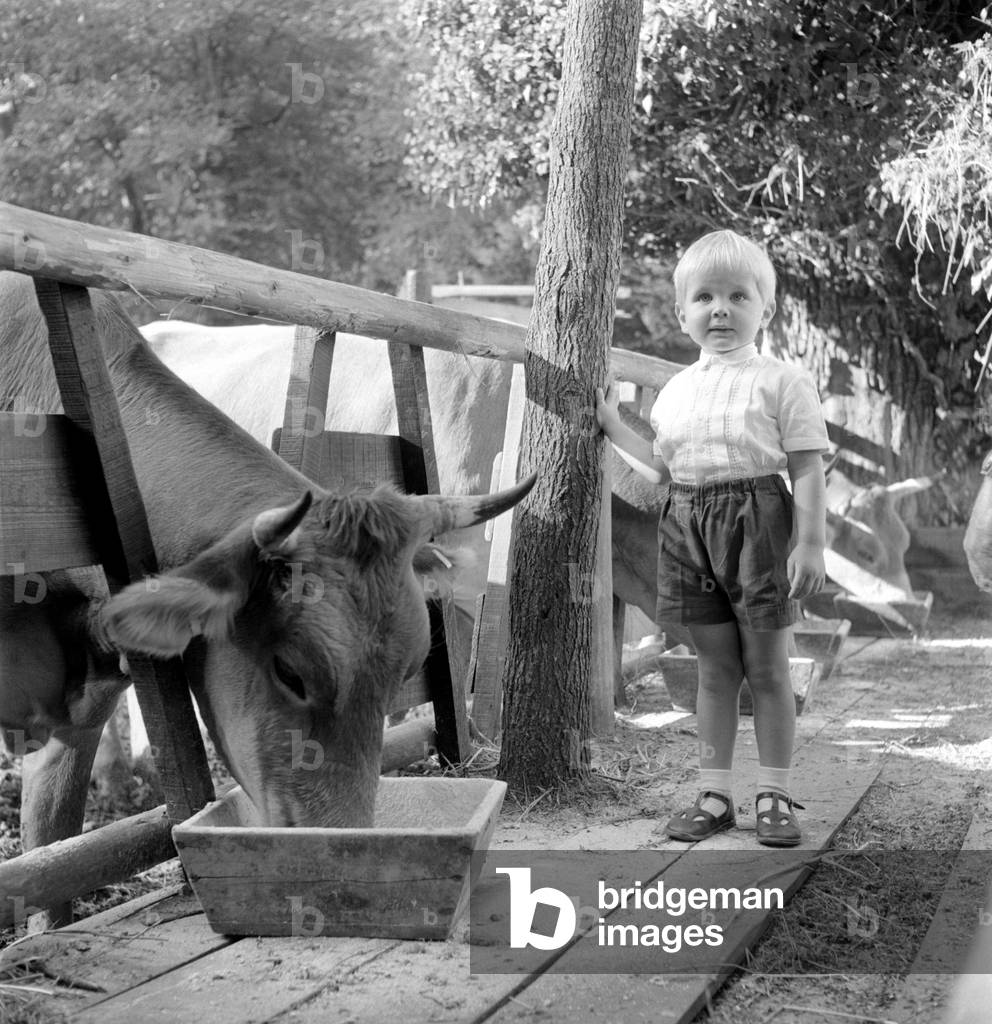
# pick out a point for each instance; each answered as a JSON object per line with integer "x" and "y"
{"x": 768, "y": 116}
{"x": 788, "y": 122}
{"x": 272, "y": 132}
{"x": 945, "y": 187}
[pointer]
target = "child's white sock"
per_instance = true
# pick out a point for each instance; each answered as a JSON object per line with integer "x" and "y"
{"x": 717, "y": 780}
{"x": 776, "y": 779}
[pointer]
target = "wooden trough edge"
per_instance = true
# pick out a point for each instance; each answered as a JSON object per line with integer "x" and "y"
{"x": 42, "y": 245}
{"x": 55, "y": 874}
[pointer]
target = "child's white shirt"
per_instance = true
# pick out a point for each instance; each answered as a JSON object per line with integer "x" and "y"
{"x": 736, "y": 415}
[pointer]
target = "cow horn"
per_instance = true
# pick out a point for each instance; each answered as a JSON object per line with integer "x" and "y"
{"x": 273, "y": 529}
{"x": 453, "y": 513}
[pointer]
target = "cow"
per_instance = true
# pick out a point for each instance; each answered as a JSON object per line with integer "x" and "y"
{"x": 978, "y": 534}
{"x": 245, "y": 371}
{"x": 304, "y": 604}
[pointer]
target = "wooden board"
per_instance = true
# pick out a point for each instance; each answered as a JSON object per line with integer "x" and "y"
{"x": 566, "y": 997}
{"x": 956, "y": 927}
{"x": 45, "y": 463}
{"x": 602, "y": 720}
{"x": 251, "y": 980}
{"x": 89, "y": 401}
{"x": 897, "y": 618}
{"x": 350, "y": 460}
{"x": 306, "y": 401}
{"x": 491, "y": 625}
{"x": 445, "y": 668}
{"x": 90, "y": 961}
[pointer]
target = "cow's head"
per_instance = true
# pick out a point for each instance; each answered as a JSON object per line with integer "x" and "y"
{"x": 313, "y": 616}
{"x": 867, "y": 530}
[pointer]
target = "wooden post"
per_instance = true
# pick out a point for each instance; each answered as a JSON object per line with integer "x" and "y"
{"x": 619, "y": 620}
{"x": 444, "y": 668}
{"x": 89, "y": 401}
{"x": 602, "y": 720}
{"x": 491, "y": 624}
{"x": 301, "y": 440}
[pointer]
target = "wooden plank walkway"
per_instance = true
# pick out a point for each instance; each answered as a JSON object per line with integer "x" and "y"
{"x": 954, "y": 927}
{"x": 156, "y": 959}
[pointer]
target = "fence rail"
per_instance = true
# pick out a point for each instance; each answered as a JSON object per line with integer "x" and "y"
{"x": 66, "y": 250}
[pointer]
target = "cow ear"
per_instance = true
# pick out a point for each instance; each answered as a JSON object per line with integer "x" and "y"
{"x": 160, "y": 615}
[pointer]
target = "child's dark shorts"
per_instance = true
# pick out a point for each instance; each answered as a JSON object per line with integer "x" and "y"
{"x": 722, "y": 553}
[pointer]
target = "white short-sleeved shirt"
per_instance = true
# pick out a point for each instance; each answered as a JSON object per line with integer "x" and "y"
{"x": 736, "y": 415}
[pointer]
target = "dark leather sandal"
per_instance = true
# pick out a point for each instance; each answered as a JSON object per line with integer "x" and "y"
{"x": 778, "y": 826}
{"x": 694, "y": 824}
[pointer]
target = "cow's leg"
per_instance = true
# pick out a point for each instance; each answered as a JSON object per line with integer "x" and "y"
{"x": 111, "y": 766}
{"x": 54, "y": 784}
{"x": 143, "y": 764}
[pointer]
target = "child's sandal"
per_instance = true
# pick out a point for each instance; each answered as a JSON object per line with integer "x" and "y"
{"x": 778, "y": 825}
{"x": 694, "y": 824}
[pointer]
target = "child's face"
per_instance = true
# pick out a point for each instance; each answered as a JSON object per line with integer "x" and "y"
{"x": 723, "y": 310}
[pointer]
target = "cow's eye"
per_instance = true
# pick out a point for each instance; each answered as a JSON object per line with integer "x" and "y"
{"x": 289, "y": 679}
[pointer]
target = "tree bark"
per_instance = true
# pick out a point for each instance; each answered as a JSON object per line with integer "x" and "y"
{"x": 553, "y": 584}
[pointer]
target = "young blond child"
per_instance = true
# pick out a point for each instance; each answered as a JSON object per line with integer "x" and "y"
{"x": 736, "y": 551}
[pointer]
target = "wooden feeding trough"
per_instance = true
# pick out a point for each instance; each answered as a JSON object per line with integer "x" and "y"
{"x": 678, "y": 670}
{"x": 408, "y": 877}
{"x": 905, "y": 617}
{"x": 894, "y": 615}
{"x": 821, "y": 640}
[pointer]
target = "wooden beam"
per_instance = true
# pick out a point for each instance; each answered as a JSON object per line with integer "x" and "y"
{"x": 54, "y": 874}
{"x": 499, "y": 291}
{"x": 89, "y": 401}
{"x": 45, "y": 246}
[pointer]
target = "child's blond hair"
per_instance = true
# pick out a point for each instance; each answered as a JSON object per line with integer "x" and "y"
{"x": 726, "y": 250}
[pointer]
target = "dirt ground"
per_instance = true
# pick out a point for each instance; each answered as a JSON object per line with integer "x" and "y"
{"x": 919, "y": 710}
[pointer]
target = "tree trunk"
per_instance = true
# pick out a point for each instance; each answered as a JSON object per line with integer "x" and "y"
{"x": 553, "y": 584}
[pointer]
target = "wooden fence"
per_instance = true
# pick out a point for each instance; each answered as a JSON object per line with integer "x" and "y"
{"x": 66, "y": 251}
